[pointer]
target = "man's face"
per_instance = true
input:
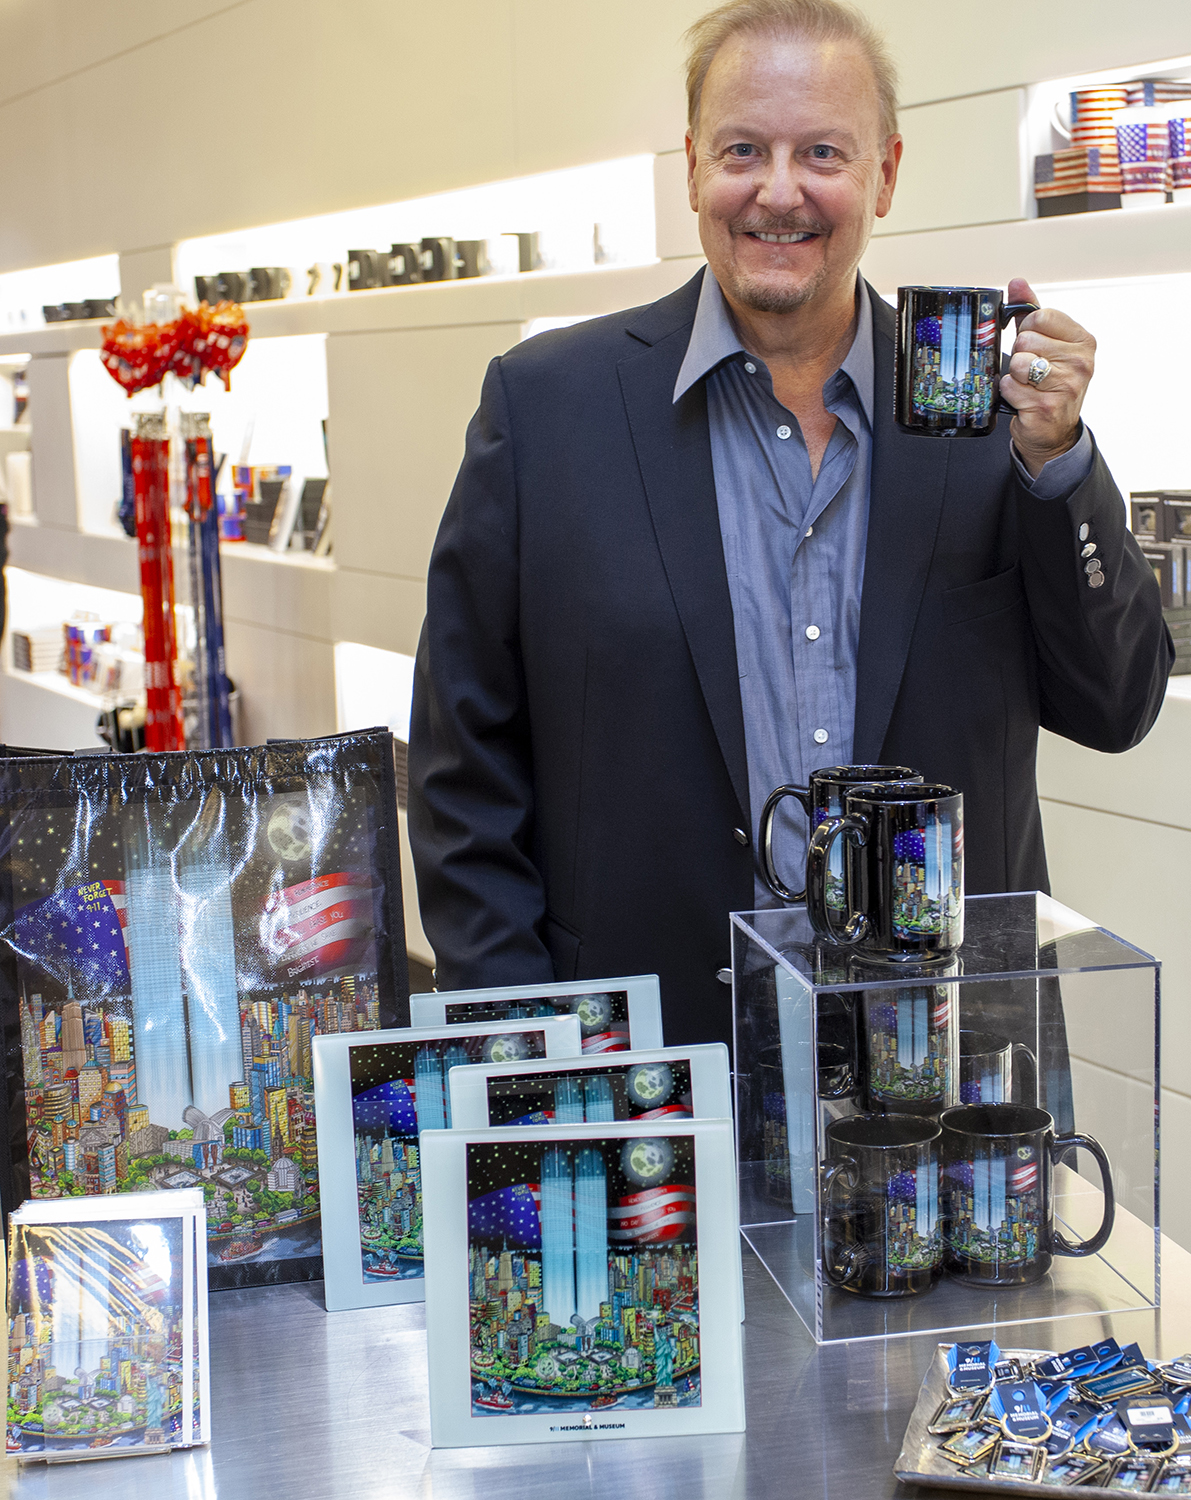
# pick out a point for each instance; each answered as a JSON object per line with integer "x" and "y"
{"x": 788, "y": 169}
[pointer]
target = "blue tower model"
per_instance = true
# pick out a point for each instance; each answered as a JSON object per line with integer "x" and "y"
{"x": 429, "y": 1101}
{"x": 558, "y": 1237}
{"x": 158, "y": 1021}
{"x": 209, "y": 968}
{"x": 591, "y": 1233}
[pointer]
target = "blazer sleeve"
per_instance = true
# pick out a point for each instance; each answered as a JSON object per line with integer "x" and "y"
{"x": 470, "y": 757}
{"x": 1103, "y": 652}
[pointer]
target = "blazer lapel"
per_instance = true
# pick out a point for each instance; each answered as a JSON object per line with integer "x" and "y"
{"x": 909, "y": 478}
{"x": 673, "y": 451}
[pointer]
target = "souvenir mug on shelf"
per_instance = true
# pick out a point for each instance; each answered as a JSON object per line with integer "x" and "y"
{"x": 1179, "y": 129}
{"x": 880, "y": 1197}
{"x": 1143, "y": 143}
{"x": 822, "y": 797}
{"x": 998, "y": 1194}
{"x": 903, "y": 869}
{"x": 910, "y": 1038}
{"x": 986, "y": 1068}
{"x": 947, "y": 375}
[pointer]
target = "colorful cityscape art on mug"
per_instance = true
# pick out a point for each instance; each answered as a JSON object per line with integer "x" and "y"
{"x": 583, "y": 1275}
{"x": 954, "y": 364}
{"x": 96, "y": 1338}
{"x": 399, "y": 1089}
{"x": 173, "y": 962}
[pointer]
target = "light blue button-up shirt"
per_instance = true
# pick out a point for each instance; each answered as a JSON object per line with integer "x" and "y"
{"x": 794, "y": 546}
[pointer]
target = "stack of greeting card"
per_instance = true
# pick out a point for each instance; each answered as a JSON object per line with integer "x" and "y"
{"x": 107, "y": 1326}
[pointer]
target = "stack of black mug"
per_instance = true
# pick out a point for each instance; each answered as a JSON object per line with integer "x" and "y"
{"x": 942, "y": 1170}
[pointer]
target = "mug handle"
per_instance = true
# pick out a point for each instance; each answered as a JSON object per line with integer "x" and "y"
{"x": 1063, "y": 1144}
{"x": 1016, "y": 1049}
{"x": 846, "y": 1171}
{"x": 1014, "y": 310}
{"x": 768, "y": 869}
{"x": 817, "y": 855}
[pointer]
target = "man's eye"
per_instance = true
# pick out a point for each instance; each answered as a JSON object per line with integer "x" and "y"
{"x": 823, "y": 153}
{"x": 742, "y": 152}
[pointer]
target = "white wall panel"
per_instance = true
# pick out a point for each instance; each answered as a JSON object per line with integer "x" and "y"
{"x": 286, "y": 682}
{"x": 51, "y": 442}
{"x": 939, "y": 184}
{"x": 1133, "y": 878}
{"x": 308, "y": 107}
{"x": 401, "y": 403}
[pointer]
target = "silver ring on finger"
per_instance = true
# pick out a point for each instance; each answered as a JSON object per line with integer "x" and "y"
{"x": 1039, "y": 370}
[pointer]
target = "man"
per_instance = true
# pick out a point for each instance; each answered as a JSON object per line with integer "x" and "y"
{"x": 689, "y": 557}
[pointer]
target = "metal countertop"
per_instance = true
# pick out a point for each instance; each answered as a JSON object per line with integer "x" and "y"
{"x": 334, "y": 1407}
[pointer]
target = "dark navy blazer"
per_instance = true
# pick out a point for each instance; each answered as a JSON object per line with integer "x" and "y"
{"x": 577, "y": 755}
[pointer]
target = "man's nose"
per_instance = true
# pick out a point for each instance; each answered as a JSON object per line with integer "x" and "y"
{"x": 782, "y": 188}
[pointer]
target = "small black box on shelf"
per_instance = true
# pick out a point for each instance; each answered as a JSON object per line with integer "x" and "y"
{"x": 232, "y": 286}
{"x": 1077, "y": 203}
{"x": 1176, "y": 506}
{"x": 1147, "y": 516}
{"x": 1160, "y": 559}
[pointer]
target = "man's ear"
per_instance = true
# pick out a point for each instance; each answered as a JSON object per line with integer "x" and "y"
{"x": 692, "y": 186}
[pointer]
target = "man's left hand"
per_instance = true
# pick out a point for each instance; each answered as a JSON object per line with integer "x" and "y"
{"x": 1047, "y": 421}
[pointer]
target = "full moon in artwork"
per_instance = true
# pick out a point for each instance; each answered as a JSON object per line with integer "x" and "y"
{"x": 289, "y": 832}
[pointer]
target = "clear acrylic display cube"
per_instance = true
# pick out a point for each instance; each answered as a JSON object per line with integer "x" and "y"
{"x": 822, "y": 1033}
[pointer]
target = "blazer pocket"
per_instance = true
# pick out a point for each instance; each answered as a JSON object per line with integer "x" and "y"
{"x": 972, "y": 601}
{"x": 563, "y": 947}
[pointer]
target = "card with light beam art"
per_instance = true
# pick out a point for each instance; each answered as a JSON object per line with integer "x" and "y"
{"x": 582, "y": 1282}
{"x": 107, "y": 1327}
{"x": 615, "y": 1014}
{"x": 376, "y": 1097}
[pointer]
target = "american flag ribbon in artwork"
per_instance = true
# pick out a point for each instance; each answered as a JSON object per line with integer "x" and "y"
{"x": 669, "y": 1111}
{"x": 653, "y": 1216}
{"x": 986, "y": 333}
{"x": 319, "y": 925}
{"x": 941, "y": 1014}
{"x": 1022, "y": 1177}
{"x": 78, "y": 934}
{"x": 615, "y": 1039}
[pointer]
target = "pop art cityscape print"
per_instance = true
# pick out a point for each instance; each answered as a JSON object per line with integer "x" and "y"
{"x": 95, "y": 1336}
{"x": 583, "y": 1275}
{"x": 400, "y": 1089}
{"x": 603, "y": 1017}
{"x": 173, "y": 963}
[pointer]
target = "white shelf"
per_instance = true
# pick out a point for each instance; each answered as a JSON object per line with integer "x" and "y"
{"x": 55, "y": 682}
{"x": 1117, "y": 244}
{"x": 477, "y": 300}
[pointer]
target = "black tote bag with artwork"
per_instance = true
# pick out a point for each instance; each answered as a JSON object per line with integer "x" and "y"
{"x": 174, "y": 929}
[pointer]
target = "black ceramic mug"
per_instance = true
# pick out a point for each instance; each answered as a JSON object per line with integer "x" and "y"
{"x": 947, "y": 377}
{"x": 998, "y": 1195}
{"x": 880, "y": 1205}
{"x": 822, "y": 797}
{"x": 903, "y": 873}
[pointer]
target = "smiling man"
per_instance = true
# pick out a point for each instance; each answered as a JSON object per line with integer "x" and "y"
{"x": 689, "y": 557}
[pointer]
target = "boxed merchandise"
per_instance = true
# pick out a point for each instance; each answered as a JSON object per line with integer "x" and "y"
{"x": 1071, "y": 181}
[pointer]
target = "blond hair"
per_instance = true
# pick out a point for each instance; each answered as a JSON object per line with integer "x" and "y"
{"x": 816, "y": 20}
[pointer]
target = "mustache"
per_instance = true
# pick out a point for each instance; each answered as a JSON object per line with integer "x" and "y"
{"x": 779, "y": 226}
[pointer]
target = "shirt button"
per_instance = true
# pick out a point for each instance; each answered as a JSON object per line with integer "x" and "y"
{"x": 820, "y": 736}
{"x": 750, "y": 367}
{"x": 812, "y": 632}
{"x": 809, "y": 530}
{"x": 783, "y": 431}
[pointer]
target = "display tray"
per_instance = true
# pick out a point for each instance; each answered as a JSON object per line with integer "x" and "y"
{"x": 920, "y": 1462}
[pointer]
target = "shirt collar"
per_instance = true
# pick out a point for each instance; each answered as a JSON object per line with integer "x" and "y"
{"x": 714, "y": 339}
